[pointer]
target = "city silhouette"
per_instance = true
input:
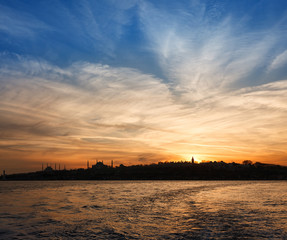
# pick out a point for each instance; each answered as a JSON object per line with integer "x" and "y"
{"x": 184, "y": 170}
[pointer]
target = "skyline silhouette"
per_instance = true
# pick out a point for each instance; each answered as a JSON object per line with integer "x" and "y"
{"x": 187, "y": 170}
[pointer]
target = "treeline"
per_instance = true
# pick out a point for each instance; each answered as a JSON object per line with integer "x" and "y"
{"x": 164, "y": 171}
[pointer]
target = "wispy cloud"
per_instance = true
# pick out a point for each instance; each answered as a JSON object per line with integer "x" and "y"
{"x": 85, "y": 101}
{"x": 20, "y": 24}
{"x": 279, "y": 61}
{"x": 207, "y": 52}
{"x": 65, "y": 31}
{"x": 96, "y": 111}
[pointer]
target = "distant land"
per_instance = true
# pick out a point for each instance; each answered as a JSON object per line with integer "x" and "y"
{"x": 162, "y": 171}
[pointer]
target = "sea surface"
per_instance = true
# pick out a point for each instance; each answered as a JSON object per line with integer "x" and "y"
{"x": 143, "y": 210}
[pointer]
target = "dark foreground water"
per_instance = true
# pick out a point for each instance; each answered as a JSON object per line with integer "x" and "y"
{"x": 143, "y": 210}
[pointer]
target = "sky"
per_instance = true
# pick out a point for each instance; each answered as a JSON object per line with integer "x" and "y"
{"x": 139, "y": 82}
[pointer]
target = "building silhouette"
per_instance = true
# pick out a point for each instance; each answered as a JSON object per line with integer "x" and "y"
{"x": 98, "y": 165}
{"x": 192, "y": 160}
{"x": 48, "y": 169}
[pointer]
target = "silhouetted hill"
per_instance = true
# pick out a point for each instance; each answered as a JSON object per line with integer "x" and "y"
{"x": 164, "y": 171}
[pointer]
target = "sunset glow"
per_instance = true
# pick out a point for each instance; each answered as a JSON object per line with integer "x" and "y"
{"x": 141, "y": 82}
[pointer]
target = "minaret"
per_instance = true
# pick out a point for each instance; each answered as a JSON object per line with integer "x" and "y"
{"x": 88, "y": 164}
{"x": 42, "y": 167}
{"x": 112, "y": 164}
{"x": 4, "y": 175}
{"x": 55, "y": 166}
{"x": 192, "y": 160}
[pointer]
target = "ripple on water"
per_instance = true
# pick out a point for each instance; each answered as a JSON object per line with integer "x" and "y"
{"x": 91, "y": 207}
{"x": 145, "y": 210}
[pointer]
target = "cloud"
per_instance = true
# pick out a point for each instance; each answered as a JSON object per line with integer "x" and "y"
{"x": 65, "y": 32}
{"x": 102, "y": 24}
{"x": 20, "y": 24}
{"x": 89, "y": 111}
{"x": 201, "y": 50}
{"x": 279, "y": 61}
{"x": 63, "y": 109}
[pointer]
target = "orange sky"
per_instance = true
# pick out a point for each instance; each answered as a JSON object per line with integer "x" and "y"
{"x": 138, "y": 122}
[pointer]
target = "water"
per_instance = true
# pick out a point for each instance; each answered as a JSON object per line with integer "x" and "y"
{"x": 143, "y": 210}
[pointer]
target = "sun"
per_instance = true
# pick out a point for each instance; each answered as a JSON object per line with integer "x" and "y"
{"x": 196, "y": 160}
{"x": 196, "y": 157}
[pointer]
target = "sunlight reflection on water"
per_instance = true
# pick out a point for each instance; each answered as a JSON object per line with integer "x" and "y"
{"x": 143, "y": 210}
